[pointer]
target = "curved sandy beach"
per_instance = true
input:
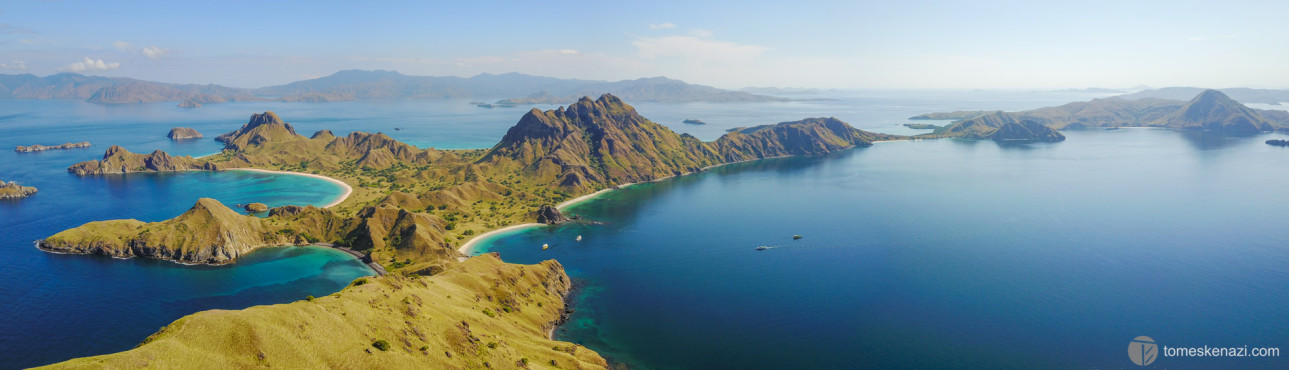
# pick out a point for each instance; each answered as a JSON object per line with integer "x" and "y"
{"x": 348, "y": 189}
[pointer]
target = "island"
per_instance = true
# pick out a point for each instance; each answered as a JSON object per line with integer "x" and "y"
{"x": 410, "y": 211}
{"x": 1210, "y": 110}
{"x": 692, "y": 121}
{"x": 256, "y": 207}
{"x": 11, "y": 190}
{"x": 921, "y": 126}
{"x": 1274, "y": 142}
{"x": 954, "y": 115}
{"x": 189, "y": 103}
{"x": 999, "y": 126}
{"x": 41, "y": 148}
{"x": 183, "y": 133}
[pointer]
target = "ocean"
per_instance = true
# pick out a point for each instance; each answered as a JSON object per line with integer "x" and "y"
{"x": 925, "y": 254}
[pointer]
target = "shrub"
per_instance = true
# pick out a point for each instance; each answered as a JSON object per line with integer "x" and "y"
{"x": 492, "y": 344}
{"x": 381, "y": 345}
{"x": 489, "y": 313}
{"x": 360, "y": 281}
{"x": 308, "y": 298}
{"x": 468, "y": 232}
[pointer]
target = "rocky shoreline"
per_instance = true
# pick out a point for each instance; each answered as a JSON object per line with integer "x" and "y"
{"x": 11, "y": 190}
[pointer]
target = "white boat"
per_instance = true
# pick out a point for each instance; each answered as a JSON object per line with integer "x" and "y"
{"x": 579, "y": 238}
{"x": 761, "y": 248}
{"x": 546, "y": 246}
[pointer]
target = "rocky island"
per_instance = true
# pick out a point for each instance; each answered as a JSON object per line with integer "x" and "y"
{"x": 921, "y": 126}
{"x": 692, "y": 121}
{"x": 189, "y": 104}
{"x": 1278, "y": 142}
{"x": 11, "y": 190}
{"x": 415, "y": 206}
{"x": 41, "y": 148}
{"x": 183, "y": 133}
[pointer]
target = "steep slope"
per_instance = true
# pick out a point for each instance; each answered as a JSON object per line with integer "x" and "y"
{"x": 1213, "y": 110}
{"x": 811, "y": 136}
{"x": 209, "y": 232}
{"x": 117, "y": 160}
{"x": 601, "y": 141}
{"x": 478, "y": 314}
{"x": 262, "y": 128}
{"x": 999, "y": 126}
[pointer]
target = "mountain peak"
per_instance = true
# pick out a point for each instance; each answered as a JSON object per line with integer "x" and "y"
{"x": 1213, "y": 110}
{"x": 261, "y": 128}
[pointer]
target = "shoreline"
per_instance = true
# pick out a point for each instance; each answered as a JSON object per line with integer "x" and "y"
{"x": 349, "y": 190}
{"x": 469, "y": 245}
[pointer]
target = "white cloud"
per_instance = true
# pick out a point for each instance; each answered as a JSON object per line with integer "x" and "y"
{"x": 17, "y": 64}
{"x": 569, "y": 52}
{"x": 122, "y": 45}
{"x": 90, "y": 65}
{"x": 661, "y": 26}
{"x": 154, "y": 52}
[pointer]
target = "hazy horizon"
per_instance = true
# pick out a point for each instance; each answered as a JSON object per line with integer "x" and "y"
{"x": 995, "y": 45}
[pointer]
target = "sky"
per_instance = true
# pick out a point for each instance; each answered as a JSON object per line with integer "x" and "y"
{"x": 982, "y": 44}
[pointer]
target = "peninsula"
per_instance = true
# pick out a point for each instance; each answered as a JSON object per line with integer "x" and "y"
{"x": 11, "y": 190}
{"x": 411, "y": 208}
{"x": 40, "y": 148}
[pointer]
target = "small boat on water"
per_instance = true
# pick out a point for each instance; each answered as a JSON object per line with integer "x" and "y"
{"x": 546, "y": 246}
{"x": 796, "y": 237}
{"x": 579, "y": 238}
{"x": 761, "y": 248}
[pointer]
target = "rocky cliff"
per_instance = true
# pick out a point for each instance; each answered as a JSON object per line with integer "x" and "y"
{"x": 262, "y": 128}
{"x": 117, "y": 160}
{"x": 11, "y": 190}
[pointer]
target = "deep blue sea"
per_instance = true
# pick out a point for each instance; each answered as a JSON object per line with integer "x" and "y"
{"x": 945, "y": 253}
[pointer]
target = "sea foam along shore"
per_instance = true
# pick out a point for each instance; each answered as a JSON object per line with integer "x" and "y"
{"x": 348, "y": 189}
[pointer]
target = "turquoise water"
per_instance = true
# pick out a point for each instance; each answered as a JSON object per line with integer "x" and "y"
{"x": 910, "y": 255}
{"x": 63, "y": 306}
{"x": 935, "y": 254}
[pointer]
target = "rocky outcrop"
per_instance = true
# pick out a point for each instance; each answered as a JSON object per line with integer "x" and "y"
{"x": 183, "y": 133}
{"x": 117, "y": 160}
{"x": 550, "y": 215}
{"x": 692, "y": 121}
{"x": 11, "y": 190}
{"x": 40, "y": 148}
{"x": 256, "y": 207}
{"x": 262, "y": 128}
{"x": 1278, "y": 142}
{"x": 189, "y": 104}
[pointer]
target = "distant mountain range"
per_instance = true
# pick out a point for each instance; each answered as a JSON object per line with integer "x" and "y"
{"x": 1207, "y": 110}
{"x": 362, "y": 85}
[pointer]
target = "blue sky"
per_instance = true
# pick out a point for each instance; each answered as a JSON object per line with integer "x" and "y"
{"x": 831, "y": 44}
